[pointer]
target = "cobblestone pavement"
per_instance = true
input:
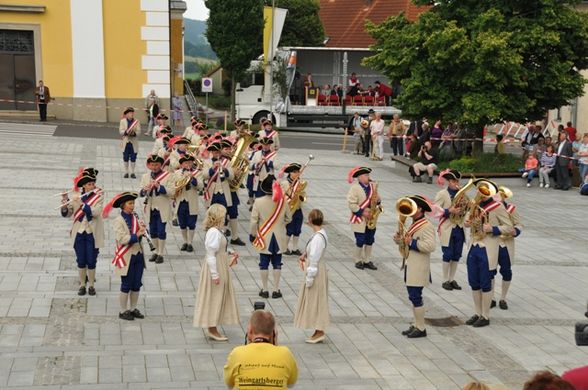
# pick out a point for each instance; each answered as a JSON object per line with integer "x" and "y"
{"x": 50, "y": 337}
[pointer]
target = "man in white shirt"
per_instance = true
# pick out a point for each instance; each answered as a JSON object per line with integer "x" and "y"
{"x": 377, "y": 132}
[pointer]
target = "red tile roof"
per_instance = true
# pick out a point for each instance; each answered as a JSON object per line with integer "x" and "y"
{"x": 344, "y": 20}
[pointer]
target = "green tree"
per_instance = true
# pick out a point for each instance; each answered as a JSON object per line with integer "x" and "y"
{"x": 303, "y": 26}
{"x": 479, "y": 62}
{"x": 235, "y": 30}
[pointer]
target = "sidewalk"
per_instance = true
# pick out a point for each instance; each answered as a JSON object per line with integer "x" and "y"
{"x": 52, "y": 339}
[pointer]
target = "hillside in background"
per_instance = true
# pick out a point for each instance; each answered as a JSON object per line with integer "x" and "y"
{"x": 195, "y": 43}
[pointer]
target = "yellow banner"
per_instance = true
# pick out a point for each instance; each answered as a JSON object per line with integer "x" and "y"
{"x": 267, "y": 32}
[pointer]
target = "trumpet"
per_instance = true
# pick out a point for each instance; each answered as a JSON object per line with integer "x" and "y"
{"x": 147, "y": 236}
{"x": 405, "y": 207}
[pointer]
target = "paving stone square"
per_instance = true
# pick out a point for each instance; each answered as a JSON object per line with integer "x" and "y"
{"x": 52, "y": 338}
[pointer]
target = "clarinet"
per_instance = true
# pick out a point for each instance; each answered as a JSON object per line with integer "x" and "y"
{"x": 147, "y": 236}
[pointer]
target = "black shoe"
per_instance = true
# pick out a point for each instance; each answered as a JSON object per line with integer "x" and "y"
{"x": 227, "y": 233}
{"x": 277, "y": 294}
{"x": 175, "y": 222}
{"x": 472, "y": 319}
{"x": 133, "y": 176}
{"x": 92, "y": 291}
{"x": 417, "y": 333}
{"x": 370, "y": 265}
{"x": 159, "y": 259}
{"x": 493, "y": 304}
{"x": 297, "y": 252}
{"x": 137, "y": 314}
{"x": 409, "y": 330}
{"x": 557, "y": 187}
{"x": 502, "y": 304}
{"x": 429, "y": 181}
{"x": 82, "y": 291}
{"x": 184, "y": 247}
{"x": 447, "y": 286}
{"x": 127, "y": 315}
{"x": 153, "y": 257}
{"x": 126, "y": 176}
{"x": 565, "y": 189}
{"x": 237, "y": 241}
{"x": 288, "y": 252}
{"x": 359, "y": 265}
{"x": 481, "y": 322}
{"x": 189, "y": 248}
{"x": 414, "y": 179}
{"x": 418, "y": 179}
{"x": 264, "y": 294}
{"x": 455, "y": 285}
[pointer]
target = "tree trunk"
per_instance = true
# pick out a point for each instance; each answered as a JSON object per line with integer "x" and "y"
{"x": 233, "y": 98}
{"x": 478, "y": 145}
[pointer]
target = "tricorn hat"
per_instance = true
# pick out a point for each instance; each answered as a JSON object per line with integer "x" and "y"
{"x": 84, "y": 179}
{"x": 421, "y": 202}
{"x": 267, "y": 184}
{"x": 357, "y": 171}
{"x": 154, "y": 158}
{"x": 187, "y": 157}
{"x": 214, "y": 147}
{"x": 127, "y": 110}
{"x": 118, "y": 201}
{"x": 266, "y": 141}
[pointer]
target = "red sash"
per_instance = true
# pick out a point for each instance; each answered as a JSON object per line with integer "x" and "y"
{"x": 491, "y": 207}
{"x": 511, "y": 208}
{"x": 354, "y": 218}
{"x": 212, "y": 180}
{"x": 271, "y": 135}
{"x": 131, "y": 127}
{"x": 119, "y": 260}
{"x": 294, "y": 190}
{"x": 159, "y": 178}
{"x": 91, "y": 201}
{"x": 416, "y": 226}
{"x": 268, "y": 157}
{"x": 259, "y": 241}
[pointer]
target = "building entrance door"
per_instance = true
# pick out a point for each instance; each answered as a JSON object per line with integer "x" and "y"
{"x": 17, "y": 70}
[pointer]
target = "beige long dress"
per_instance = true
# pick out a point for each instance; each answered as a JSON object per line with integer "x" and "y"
{"x": 313, "y": 302}
{"x": 215, "y": 303}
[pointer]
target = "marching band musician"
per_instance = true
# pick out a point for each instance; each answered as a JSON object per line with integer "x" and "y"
{"x": 154, "y": 187}
{"x": 487, "y": 221}
{"x": 239, "y": 129}
{"x": 233, "y": 210}
{"x": 160, "y": 142}
{"x": 193, "y": 132}
{"x": 187, "y": 200}
{"x": 129, "y": 127}
{"x": 451, "y": 234}
{"x": 360, "y": 197}
{"x": 506, "y": 251}
{"x": 253, "y": 147}
{"x": 290, "y": 189}
{"x": 87, "y": 232}
{"x": 262, "y": 164}
{"x": 269, "y": 217}
{"x": 160, "y": 124}
{"x": 189, "y": 130}
{"x": 128, "y": 260}
{"x": 268, "y": 131}
{"x": 420, "y": 240}
{"x": 179, "y": 150}
{"x": 217, "y": 173}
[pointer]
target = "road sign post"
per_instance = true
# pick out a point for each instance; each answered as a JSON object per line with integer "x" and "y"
{"x": 206, "y": 88}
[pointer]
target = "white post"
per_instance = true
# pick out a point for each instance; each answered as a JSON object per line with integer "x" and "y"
{"x": 206, "y": 108}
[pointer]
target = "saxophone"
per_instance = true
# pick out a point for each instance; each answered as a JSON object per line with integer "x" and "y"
{"x": 375, "y": 209}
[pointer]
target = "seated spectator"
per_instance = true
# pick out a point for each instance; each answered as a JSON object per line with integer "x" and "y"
{"x": 353, "y": 80}
{"x": 584, "y": 191}
{"x": 326, "y": 90}
{"x": 384, "y": 90}
{"x": 427, "y": 157}
{"x": 546, "y": 380}
{"x": 261, "y": 361}
{"x": 354, "y": 90}
{"x": 583, "y": 156}
{"x": 539, "y": 148}
{"x": 475, "y": 386}
{"x": 530, "y": 169}
{"x": 547, "y": 165}
{"x": 578, "y": 377}
{"x": 499, "y": 148}
{"x": 370, "y": 91}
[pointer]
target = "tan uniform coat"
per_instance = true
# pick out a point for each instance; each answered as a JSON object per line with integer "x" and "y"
{"x": 190, "y": 195}
{"x": 220, "y": 185}
{"x": 123, "y": 126}
{"x": 263, "y": 208}
{"x": 443, "y": 200}
{"x": 418, "y": 263}
{"x": 508, "y": 241}
{"x": 285, "y": 184}
{"x": 96, "y": 226}
{"x": 263, "y": 172}
{"x": 355, "y": 197}
{"x": 160, "y": 202}
{"x": 122, "y": 235}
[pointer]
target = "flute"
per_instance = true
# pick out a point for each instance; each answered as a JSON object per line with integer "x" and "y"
{"x": 71, "y": 200}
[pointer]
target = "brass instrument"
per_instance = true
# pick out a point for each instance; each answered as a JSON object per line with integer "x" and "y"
{"x": 375, "y": 209}
{"x": 462, "y": 201}
{"x": 181, "y": 183}
{"x": 506, "y": 193}
{"x": 478, "y": 217}
{"x": 240, "y": 162}
{"x": 295, "y": 198}
{"x": 405, "y": 207}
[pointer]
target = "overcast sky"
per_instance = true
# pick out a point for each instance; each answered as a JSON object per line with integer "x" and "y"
{"x": 196, "y": 10}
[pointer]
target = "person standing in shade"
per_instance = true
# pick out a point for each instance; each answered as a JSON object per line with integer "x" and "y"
{"x": 216, "y": 303}
{"x": 129, "y": 127}
{"x": 176, "y": 115}
{"x": 128, "y": 261}
{"x": 151, "y": 108}
{"x": 562, "y": 162}
{"x": 43, "y": 97}
{"x": 313, "y": 300}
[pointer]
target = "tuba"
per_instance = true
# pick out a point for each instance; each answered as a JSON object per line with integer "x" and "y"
{"x": 239, "y": 161}
{"x": 375, "y": 209}
{"x": 405, "y": 207}
{"x": 181, "y": 183}
{"x": 478, "y": 216}
{"x": 462, "y": 201}
{"x": 295, "y": 196}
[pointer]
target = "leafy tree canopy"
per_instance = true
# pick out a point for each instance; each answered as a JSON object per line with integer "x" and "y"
{"x": 303, "y": 26}
{"x": 479, "y": 62}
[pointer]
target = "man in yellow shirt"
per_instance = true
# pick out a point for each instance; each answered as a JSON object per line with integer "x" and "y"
{"x": 261, "y": 364}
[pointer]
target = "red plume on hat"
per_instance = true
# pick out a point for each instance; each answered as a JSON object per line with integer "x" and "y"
{"x": 436, "y": 211}
{"x": 108, "y": 207}
{"x": 172, "y": 142}
{"x": 282, "y": 171}
{"x": 351, "y": 173}
{"x": 277, "y": 193}
{"x": 440, "y": 178}
{"x": 77, "y": 178}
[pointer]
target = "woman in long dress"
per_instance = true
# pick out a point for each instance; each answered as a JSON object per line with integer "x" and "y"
{"x": 215, "y": 300}
{"x": 313, "y": 300}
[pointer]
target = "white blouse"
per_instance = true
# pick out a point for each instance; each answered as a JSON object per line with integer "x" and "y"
{"x": 212, "y": 243}
{"x": 314, "y": 251}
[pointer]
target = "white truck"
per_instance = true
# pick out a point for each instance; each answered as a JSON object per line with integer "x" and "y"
{"x": 332, "y": 66}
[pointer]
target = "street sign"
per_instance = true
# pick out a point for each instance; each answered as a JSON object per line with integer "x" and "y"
{"x": 206, "y": 84}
